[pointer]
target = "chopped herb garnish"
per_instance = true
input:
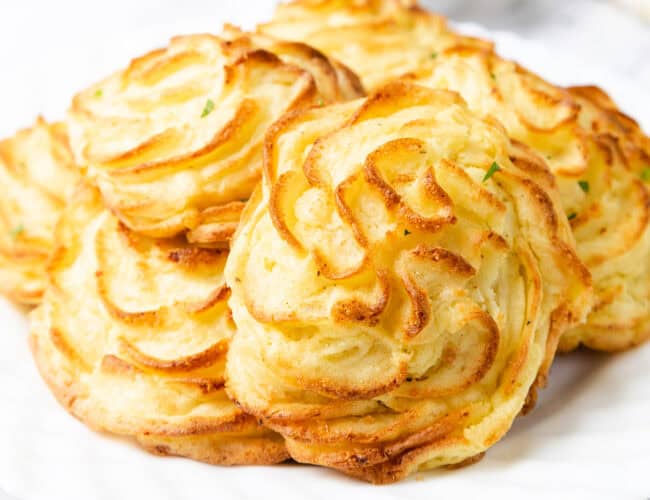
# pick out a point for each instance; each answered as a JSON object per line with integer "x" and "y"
{"x": 433, "y": 55}
{"x": 321, "y": 103}
{"x": 493, "y": 76}
{"x": 645, "y": 174}
{"x": 406, "y": 232}
{"x": 99, "y": 93}
{"x": 208, "y": 108}
{"x": 17, "y": 231}
{"x": 584, "y": 185}
{"x": 572, "y": 216}
{"x": 493, "y": 170}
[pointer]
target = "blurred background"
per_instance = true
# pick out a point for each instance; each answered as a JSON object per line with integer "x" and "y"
{"x": 610, "y": 32}
{"x": 49, "y": 50}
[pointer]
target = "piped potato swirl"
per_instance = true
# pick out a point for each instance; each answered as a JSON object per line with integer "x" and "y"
{"x": 400, "y": 282}
{"x": 132, "y": 337}
{"x": 174, "y": 140}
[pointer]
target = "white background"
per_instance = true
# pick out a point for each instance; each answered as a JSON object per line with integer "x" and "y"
{"x": 589, "y": 436}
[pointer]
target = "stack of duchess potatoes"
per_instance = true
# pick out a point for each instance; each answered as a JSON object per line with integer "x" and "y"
{"x": 362, "y": 253}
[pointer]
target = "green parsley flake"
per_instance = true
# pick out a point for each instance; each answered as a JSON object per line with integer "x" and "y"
{"x": 99, "y": 93}
{"x": 406, "y": 232}
{"x": 584, "y": 185}
{"x": 493, "y": 170}
{"x": 645, "y": 174}
{"x": 433, "y": 55}
{"x": 493, "y": 76}
{"x": 572, "y": 216}
{"x": 208, "y": 108}
{"x": 17, "y": 231}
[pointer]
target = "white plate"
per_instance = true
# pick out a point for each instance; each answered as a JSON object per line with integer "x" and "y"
{"x": 589, "y": 436}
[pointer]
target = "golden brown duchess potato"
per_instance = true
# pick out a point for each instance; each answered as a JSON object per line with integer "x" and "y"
{"x": 599, "y": 155}
{"x": 597, "y": 165}
{"x": 132, "y": 336}
{"x": 399, "y": 283}
{"x": 379, "y": 39}
{"x": 37, "y": 175}
{"x": 175, "y": 138}
{"x": 614, "y": 226}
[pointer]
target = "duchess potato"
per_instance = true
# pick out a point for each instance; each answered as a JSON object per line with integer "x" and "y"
{"x": 132, "y": 336}
{"x": 378, "y": 39}
{"x": 400, "y": 283}
{"x": 176, "y": 136}
{"x": 37, "y": 175}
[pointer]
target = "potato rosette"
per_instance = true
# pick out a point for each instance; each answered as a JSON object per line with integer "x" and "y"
{"x": 37, "y": 176}
{"x": 399, "y": 282}
{"x": 132, "y": 337}
{"x": 175, "y": 140}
